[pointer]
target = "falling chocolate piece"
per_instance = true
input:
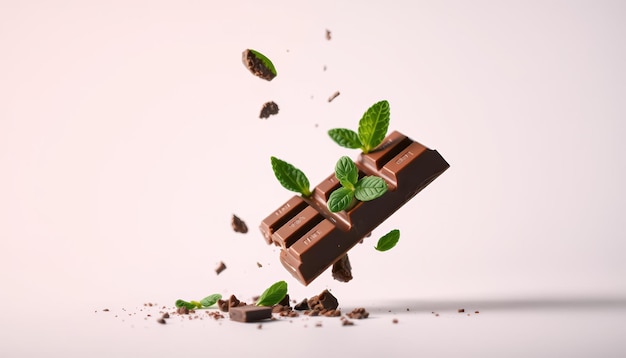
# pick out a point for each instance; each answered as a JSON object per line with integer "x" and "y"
{"x": 328, "y": 35}
{"x": 258, "y": 64}
{"x": 239, "y": 225}
{"x": 221, "y": 267}
{"x": 342, "y": 270}
{"x": 334, "y": 95}
{"x": 269, "y": 108}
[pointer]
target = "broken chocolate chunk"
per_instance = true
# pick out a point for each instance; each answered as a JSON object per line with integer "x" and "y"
{"x": 269, "y": 108}
{"x": 302, "y": 306}
{"x": 324, "y": 300}
{"x": 342, "y": 270}
{"x": 221, "y": 267}
{"x": 358, "y": 313}
{"x": 239, "y": 225}
{"x": 250, "y": 313}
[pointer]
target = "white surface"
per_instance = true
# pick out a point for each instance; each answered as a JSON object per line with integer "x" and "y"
{"x": 117, "y": 119}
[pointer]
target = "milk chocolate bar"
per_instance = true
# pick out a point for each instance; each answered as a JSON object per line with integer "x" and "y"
{"x": 312, "y": 238}
{"x": 250, "y": 313}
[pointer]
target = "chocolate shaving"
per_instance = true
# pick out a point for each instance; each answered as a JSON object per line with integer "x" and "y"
{"x": 239, "y": 225}
{"x": 269, "y": 108}
{"x": 334, "y": 95}
{"x": 221, "y": 267}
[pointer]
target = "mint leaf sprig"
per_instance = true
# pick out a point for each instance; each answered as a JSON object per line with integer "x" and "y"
{"x": 273, "y": 295}
{"x": 388, "y": 241}
{"x": 372, "y": 129}
{"x": 206, "y": 302}
{"x": 366, "y": 189}
{"x": 290, "y": 177}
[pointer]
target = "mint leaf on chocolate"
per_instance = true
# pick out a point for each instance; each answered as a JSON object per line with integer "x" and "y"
{"x": 290, "y": 177}
{"x": 373, "y": 126}
{"x": 346, "y": 172}
{"x": 258, "y": 64}
{"x": 340, "y": 199}
{"x": 388, "y": 241}
{"x": 274, "y": 294}
{"x": 346, "y": 138}
{"x": 210, "y": 300}
{"x": 370, "y": 188}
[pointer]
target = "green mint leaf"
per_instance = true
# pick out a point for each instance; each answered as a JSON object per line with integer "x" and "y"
{"x": 266, "y": 61}
{"x": 210, "y": 300}
{"x": 346, "y": 138}
{"x": 274, "y": 294}
{"x": 346, "y": 172}
{"x": 181, "y": 303}
{"x": 370, "y": 188}
{"x": 290, "y": 177}
{"x": 340, "y": 199}
{"x": 388, "y": 241}
{"x": 373, "y": 126}
{"x": 196, "y": 304}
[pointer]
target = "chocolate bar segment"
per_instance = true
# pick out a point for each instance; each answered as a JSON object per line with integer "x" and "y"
{"x": 312, "y": 238}
{"x": 250, "y": 313}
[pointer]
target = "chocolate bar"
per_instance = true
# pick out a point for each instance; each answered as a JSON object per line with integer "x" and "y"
{"x": 250, "y": 313}
{"x": 312, "y": 238}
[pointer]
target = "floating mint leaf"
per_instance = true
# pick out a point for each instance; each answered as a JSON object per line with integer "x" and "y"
{"x": 340, "y": 199}
{"x": 258, "y": 64}
{"x": 210, "y": 300}
{"x": 290, "y": 177}
{"x": 373, "y": 126}
{"x": 188, "y": 305}
{"x": 388, "y": 241}
{"x": 370, "y": 188}
{"x": 346, "y": 138}
{"x": 274, "y": 294}
{"x": 346, "y": 172}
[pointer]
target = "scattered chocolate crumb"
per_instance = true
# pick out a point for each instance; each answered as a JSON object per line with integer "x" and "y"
{"x": 407, "y": 308}
{"x": 165, "y": 315}
{"x": 105, "y": 310}
{"x": 324, "y": 67}
{"x": 436, "y": 314}
{"x": 256, "y": 66}
{"x": 161, "y": 320}
{"x": 358, "y": 313}
{"x": 258, "y": 264}
{"x": 346, "y": 322}
{"x": 323, "y": 300}
{"x": 268, "y": 109}
{"x": 476, "y": 312}
{"x": 342, "y": 270}
{"x": 318, "y": 324}
{"x": 302, "y": 306}
{"x": 461, "y": 310}
{"x": 333, "y": 96}
{"x": 238, "y": 224}
{"x": 225, "y": 305}
{"x": 259, "y": 326}
{"x": 328, "y": 35}
{"x": 182, "y": 310}
{"x": 395, "y": 320}
{"x": 221, "y": 267}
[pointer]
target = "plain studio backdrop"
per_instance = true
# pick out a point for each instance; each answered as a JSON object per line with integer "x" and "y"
{"x": 130, "y": 135}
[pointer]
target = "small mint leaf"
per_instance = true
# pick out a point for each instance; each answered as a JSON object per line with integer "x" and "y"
{"x": 340, "y": 199}
{"x": 373, "y": 126}
{"x": 181, "y": 303}
{"x": 290, "y": 177}
{"x": 210, "y": 300}
{"x": 274, "y": 294}
{"x": 346, "y": 172}
{"x": 266, "y": 61}
{"x": 346, "y": 138}
{"x": 370, "y": 188}
{"x": 388, "y": 241}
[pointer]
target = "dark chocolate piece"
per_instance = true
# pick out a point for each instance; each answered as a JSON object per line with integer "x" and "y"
{"x": 256, "y": 66}
{"x": 239, "y": 225}
{"x": 312, "y": 238}
{"x": 269, "y": 108}
{"x": 324, "y": 300}
{"x": 221, "y": 267}
{"x": 250, "y": 313}
{"x": 342, "y": 270}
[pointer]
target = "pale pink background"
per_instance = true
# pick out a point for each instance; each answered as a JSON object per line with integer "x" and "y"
{"x": 129, "y": 134}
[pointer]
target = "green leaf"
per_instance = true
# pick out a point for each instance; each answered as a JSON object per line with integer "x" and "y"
{"x": 181, "y": 303}
{"x": 370, "y": 188}
{"x": 274, "y": 294}
{"x": 388, "y": 241}
{"x": 290, "y": 177}
{"x": 266, "y": 61}
{"x": 210, "y": 300}
{"x": 373, "y": 126}
{"x": 196, "y": 304}
{"x": 346, "y": 138}
{"x": 340, "y": 199}
{"x": 346, "y": 172}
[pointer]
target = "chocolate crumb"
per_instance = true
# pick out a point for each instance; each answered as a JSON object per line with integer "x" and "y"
{"x": 333, "y": 96}
{"x": 238, "y": 225}
{"x": 259, "y": 326}
{"x": 395, "y": 320}
{"x": 221, "y": 267}
{"x": 328, "y": 35}
{"x": 258, "y": 264}
{"x": 268, "y": 109}
{"x": 318, "y": 324}
{"x": 165, "y": 315}
{"x": 324, "y": 300}
{"x": 302, "y": 306}
{"x": 346, "y": 322}
{"x": 161, "y": 320}
{"x": 182, "y": 310}
{"x": 461, "y": 310}
{"x": 105, "y": 310}
{"x": 358, "y": 313}
{"x": 342, "y": 270}
{"x": 476, "y": 312}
